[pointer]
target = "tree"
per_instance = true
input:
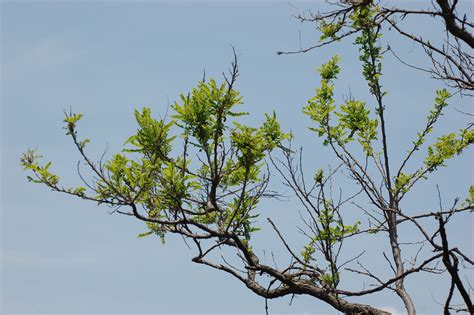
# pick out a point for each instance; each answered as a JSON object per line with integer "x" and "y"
{"x": 201, "y": 175}
{"x": 450, "y": 58}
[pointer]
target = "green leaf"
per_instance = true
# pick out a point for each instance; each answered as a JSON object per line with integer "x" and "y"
{"x": 145, "y": 234}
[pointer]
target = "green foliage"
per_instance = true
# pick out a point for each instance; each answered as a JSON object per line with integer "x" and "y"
{"x": 308, "y": 251}
{"x": 126, "y": 178}
{"x": 370, "y": 50}
{"x": 146, "y": 175}
{"x": 440, "y": 103}
{"x": 329, "y": 30}
{"x": 363, "y": 16}
{"x": 29, "y": 161}
{"x": 234, "y": 173}
{"x": 222, "y": 185}
{"x": 319, "y": 176}
{"x": 239, "y": 215}
{"x": 71, "y": 120}
{"x": 79, "y": 191}
{"x": 249, "y": 143}
{"x": 155, "y": 228}
{"x": 251, "y": 146}
{"x": 272, "y": 132}
{"x": 470, "y": 199}
{"x": 330, "y": 230}
{"x": 174, "y": 186}
{"x": 152, "y": 138}
{"x": 204, "y": 111}
{"x": 329, "y": 72}
{"x": 446, "y": 147}
{"x": 145, "y": 234}
{"x": 206, "y": 217}
{"x": 353, "y": 118}
{"x": 402, "y": 181}
{"x": 322, "y": 104}
{"x": 333, "y": 228}
{"x": 330, "y": 280}
{"x": 253, "y": 143}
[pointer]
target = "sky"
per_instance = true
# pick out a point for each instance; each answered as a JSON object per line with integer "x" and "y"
{"x": 104, "y": 59}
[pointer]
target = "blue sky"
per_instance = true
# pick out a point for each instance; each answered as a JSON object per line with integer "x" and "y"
{"x": 104, "y": 59}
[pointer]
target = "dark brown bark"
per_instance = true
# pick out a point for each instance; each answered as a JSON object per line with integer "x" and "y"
{"x": 451, "y": 25}
{"x": 452, "y": 267}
